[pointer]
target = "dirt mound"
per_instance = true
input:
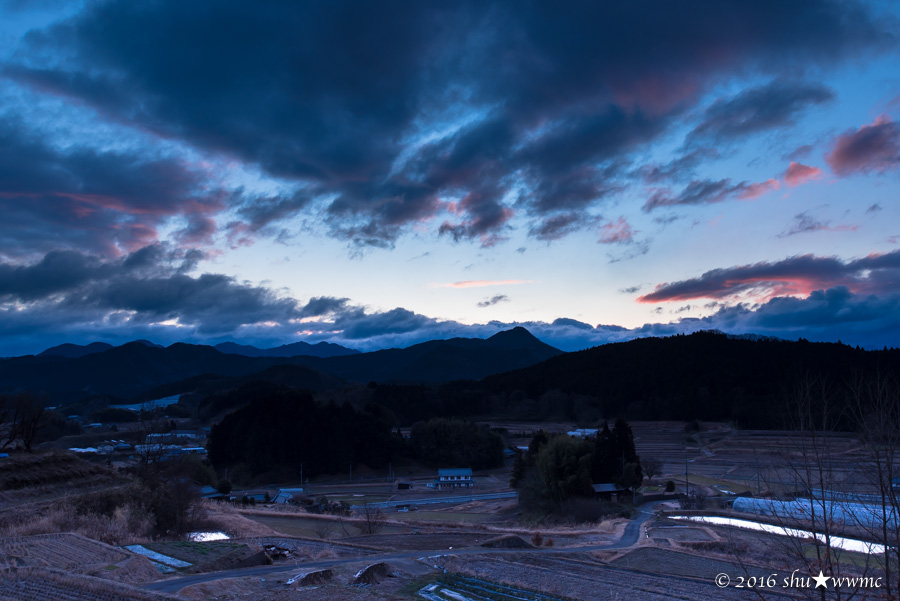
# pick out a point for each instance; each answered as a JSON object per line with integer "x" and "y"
{"x": 509, "y": 541}
{"x": 312, "y": 578}
{"x": 372, "y": 574}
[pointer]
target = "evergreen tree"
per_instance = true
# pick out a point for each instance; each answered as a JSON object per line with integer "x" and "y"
{"x": 604, "y": 466}
{"x": 630, "y": 473}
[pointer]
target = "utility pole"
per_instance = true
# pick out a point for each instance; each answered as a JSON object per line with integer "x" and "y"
{"x": 758, "y": 487}
{"x": 687, "y": 485}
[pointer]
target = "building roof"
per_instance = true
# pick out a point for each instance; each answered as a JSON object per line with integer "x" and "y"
{"x": 583, "y": 432}
{"x": 607, "y": 487}
{"x": 463, "y": 471}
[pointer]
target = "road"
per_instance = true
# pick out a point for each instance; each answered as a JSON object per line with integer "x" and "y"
{"x": 438, "y": 500}
{"x": 628, "y": 538}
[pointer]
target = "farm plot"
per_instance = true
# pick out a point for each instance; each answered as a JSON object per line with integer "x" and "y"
{"x": 585, "y": 579}
{"x": 460, "y": 588}
{"x": 663, "y": 561}
{"x": 197, "y": 553}
{"x": 71, "y": 552}
{"x": 41, "y": 584}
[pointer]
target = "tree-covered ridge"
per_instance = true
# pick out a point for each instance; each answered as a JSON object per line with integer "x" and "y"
{"x": 707, "y": 376}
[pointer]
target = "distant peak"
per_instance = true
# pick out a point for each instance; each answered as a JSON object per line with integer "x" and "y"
{"x": 143, "y": 342}
{"x": 517, "y": 333}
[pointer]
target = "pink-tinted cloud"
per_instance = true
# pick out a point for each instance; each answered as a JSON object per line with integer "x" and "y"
{"x": 617, "y": 232}
{"x": 481, "y": 283}
{"x": 874, "y": 147}
{"x": 798, "y": 173}
{"x": 755, "y": 190}
{"x": 800, "y": 275}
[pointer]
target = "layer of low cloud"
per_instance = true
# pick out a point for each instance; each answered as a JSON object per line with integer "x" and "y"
{"x": 800, "y": 275}
{"x": 154, "y": 294}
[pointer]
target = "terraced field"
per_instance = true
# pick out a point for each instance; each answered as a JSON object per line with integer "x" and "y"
{"x": 40, "y": 584}
{"x": 71, "y": 552}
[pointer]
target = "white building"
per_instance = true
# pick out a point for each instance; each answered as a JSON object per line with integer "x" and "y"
{"x": 454, "y": 478}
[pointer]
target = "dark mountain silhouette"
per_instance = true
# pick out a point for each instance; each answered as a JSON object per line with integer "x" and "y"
{"x": 322, "y": 349}
{"x": 125, "y": 371}
{"x": 137, "y": 370}
{"x": 442, "y": 360}
{"x": 72, "y": 351}
{"x": 146, "y": 343}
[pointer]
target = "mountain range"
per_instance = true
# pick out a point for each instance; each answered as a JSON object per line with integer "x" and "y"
{"x": 140, "y": 369}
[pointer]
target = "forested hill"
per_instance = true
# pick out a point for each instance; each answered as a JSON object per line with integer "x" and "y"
{"x": 699, "y": 376}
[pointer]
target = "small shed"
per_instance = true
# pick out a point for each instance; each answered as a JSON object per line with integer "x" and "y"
{"x": 286, "y": 495}
{"x": 608, "y": 491}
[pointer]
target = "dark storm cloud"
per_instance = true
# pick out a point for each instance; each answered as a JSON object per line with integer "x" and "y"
{"x": 873, "y": 147}
{"x": 98, "y": 202}
{"x": 873, "y": 274}
{"x": 759, "y": 109}
{"x": 330, "y": 94}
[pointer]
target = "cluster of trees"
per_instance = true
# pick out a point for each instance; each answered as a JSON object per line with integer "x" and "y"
{"x": 280, "y": 429}
{"x": 557, "y": 470}
{"x": 287, "y": 428}
{"x": 453, "y": 442}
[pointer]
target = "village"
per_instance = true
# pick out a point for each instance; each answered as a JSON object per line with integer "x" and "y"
{"x": 709, "y": 506}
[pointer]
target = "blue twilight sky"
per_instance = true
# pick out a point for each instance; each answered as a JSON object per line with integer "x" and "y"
{"x": 381, "y": 173}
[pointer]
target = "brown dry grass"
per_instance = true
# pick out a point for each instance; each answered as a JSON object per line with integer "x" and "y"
{"x": 226, "y": 518}
{"x": 127, "y": 524}
{"x": 27, "y": 478}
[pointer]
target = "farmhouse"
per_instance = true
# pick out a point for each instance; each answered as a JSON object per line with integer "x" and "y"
{"x": 454, "y": 478}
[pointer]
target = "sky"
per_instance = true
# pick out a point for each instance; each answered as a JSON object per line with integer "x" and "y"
{"x": 377, "y": 174}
